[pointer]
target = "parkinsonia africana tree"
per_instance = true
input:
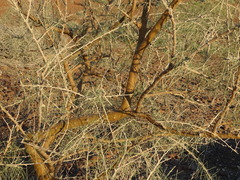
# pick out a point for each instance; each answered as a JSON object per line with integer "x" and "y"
{"x": 183, "y": 81}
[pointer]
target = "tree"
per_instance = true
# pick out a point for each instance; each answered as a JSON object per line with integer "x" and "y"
{"x": 183, "y": 81}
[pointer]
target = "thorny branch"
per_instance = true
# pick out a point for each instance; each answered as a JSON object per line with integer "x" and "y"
{"x": 137, "y": 57}
{"x": 42, "y": 162}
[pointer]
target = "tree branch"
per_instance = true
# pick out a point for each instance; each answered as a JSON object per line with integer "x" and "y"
{"x": 137, "y": 57}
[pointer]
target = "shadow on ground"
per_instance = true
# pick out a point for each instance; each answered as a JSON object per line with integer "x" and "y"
{"x": 221, "y": 159}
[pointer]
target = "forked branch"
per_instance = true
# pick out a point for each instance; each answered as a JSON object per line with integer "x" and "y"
{"x": 137, "y": 57}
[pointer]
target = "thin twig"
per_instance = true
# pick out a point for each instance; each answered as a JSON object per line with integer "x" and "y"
{"x": 226, "y": 108}
{"x": 165, "y": 92}
{"x": 155, "y": 82}
{"x": 129, "y": 15}
{"x": 19, "y": 127}
{"x": 217, "y": 37}
{"x": 174, "y": 36}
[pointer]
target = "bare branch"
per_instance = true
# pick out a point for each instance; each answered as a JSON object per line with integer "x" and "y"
{"x": 142, "y": 45}
{"x": 169, "y": 68}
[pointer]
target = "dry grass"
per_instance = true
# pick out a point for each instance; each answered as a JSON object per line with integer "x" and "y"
{"x": 72, "y": 73}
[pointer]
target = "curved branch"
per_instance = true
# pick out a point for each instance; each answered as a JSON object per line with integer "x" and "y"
{"x": 45, "y": 169}
{"x": 63, "y": 126}
{"x": 44, "y": 172}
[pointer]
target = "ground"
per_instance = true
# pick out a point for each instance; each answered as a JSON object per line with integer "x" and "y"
{"x": 220, "y": 157}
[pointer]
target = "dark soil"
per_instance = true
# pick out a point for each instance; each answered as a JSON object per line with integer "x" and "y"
{"x": 221, "y": 160}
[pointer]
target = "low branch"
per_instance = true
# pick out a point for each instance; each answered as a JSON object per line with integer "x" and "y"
{"x": 63, "y": 126}
{"x": 168, "y": 131}
{"x": 44, "y": 172}
{"x": 44, "y": 168}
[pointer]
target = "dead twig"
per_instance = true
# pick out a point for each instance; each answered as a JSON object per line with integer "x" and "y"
{"x": 216, "y": 38}
{"x": 169, "y": 68}
{"x": 19, "y": 127}
{"x": 226, "y": 108}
